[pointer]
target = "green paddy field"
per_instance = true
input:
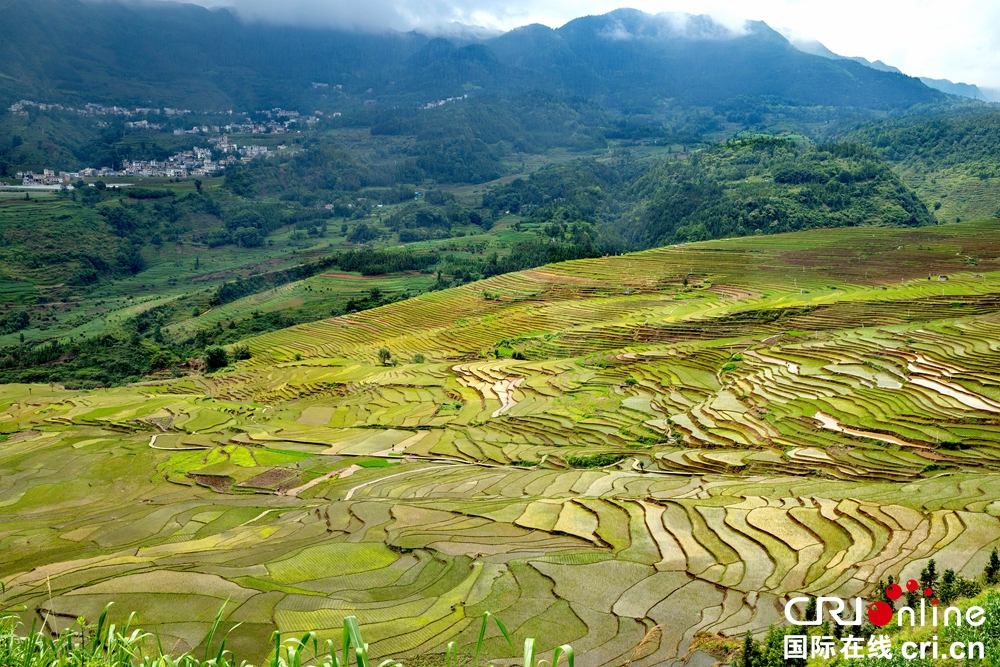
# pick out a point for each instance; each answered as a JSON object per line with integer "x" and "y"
{"x": 683, "y": 437}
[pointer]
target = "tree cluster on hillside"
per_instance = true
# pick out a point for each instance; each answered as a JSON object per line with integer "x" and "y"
{"x": 583, "y": 190}
{"x": 463, "y": 142}
{"x": 764, "y": 186}
{"x": 968, "y": 140}
{"x": 753, "y": 186}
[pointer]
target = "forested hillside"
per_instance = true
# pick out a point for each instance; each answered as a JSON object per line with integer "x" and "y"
{"x": 743, "y": 187}
{"x": 950, "y": 160}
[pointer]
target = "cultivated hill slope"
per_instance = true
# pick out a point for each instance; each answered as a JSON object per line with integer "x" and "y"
{"x": 683, "y": 436}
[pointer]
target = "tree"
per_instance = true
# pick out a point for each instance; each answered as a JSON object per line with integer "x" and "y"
{"x": 954, "y": 587}
{"x": 248, "y": 237}
{"x": 216, "y": 357}
{"x": 240, "y": 352}
{"x": 419, "y": 358}
{"x": 750, "y": 655}
{"x": 929, "y": 575}
{"x": 810, "y": 612}
{"x": 384, "y": 356}
{"x": 130, "y": 258}
{"x": 880, "y": 593}
{"x": 197, "y": 184}
{"x": 991, "y": 573}
{"x": 947, "y": 590}
{"x": 772, "y": 650}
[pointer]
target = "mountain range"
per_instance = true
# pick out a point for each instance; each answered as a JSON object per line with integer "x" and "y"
{"x": 944, "y": 85}
{"x": 188, "y": 56}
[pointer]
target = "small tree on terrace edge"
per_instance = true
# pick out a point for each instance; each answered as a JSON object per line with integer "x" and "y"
{"x": 929, "y": 575}
{"x": 384, "y": 356}
{"x": 216, "y": 357}
{"x": 991, "y": 573}
{"x": 750, "y": 654}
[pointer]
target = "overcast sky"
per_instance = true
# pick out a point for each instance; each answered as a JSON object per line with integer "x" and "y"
{"x": 952, "y": 39}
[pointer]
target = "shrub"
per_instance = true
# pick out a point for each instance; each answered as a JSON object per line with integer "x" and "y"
{"x": 991, "y": 573}
{"x": 216, "y": 357}
{"x": 241, "y": 352}
{"x": 248, "y": 237}
{"x": 594, "y": 460}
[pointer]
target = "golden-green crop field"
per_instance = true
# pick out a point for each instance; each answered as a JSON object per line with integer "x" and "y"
{"x": 683, "y": 437}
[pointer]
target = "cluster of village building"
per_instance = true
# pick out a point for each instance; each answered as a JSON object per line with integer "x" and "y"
{"x": 195, "y": 162}
{"x": 278, "y": 121}
{"x": 431, "y": 105}
{"x": 96, "y": 109}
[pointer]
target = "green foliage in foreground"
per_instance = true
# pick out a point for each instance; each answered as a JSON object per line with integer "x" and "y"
{"x": 106, "y": 645}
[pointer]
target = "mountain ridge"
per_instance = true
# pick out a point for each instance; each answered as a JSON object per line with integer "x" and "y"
{"x": 67, "y": 50}
{"x": 817, "y": 48}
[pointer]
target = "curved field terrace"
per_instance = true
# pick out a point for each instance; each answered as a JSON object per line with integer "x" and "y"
{"x": 685, "y": 437}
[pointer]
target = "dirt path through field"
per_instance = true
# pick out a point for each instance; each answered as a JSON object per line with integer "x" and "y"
{"x": 351, "y": 491}
{"x": 792, "y": 367}
{"x": 483, "y": 380}
{"x": 194, "y": 448}
{"x": 831, "y": 424}
{"x": 339, "y": 474}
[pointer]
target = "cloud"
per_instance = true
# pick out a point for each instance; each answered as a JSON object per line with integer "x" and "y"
{"x": 676, "y": 25}
{"x": 375, "y": 15}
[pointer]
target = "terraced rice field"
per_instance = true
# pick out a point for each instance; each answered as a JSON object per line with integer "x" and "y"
{"x": 805, "y": 413}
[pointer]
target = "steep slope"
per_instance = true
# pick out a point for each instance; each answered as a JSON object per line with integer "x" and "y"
{"x": 816, "y": 48}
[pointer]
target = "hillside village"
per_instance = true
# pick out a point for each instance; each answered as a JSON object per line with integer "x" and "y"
{"x": 195, "y": 162}
{"x": 277, "y": 121}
